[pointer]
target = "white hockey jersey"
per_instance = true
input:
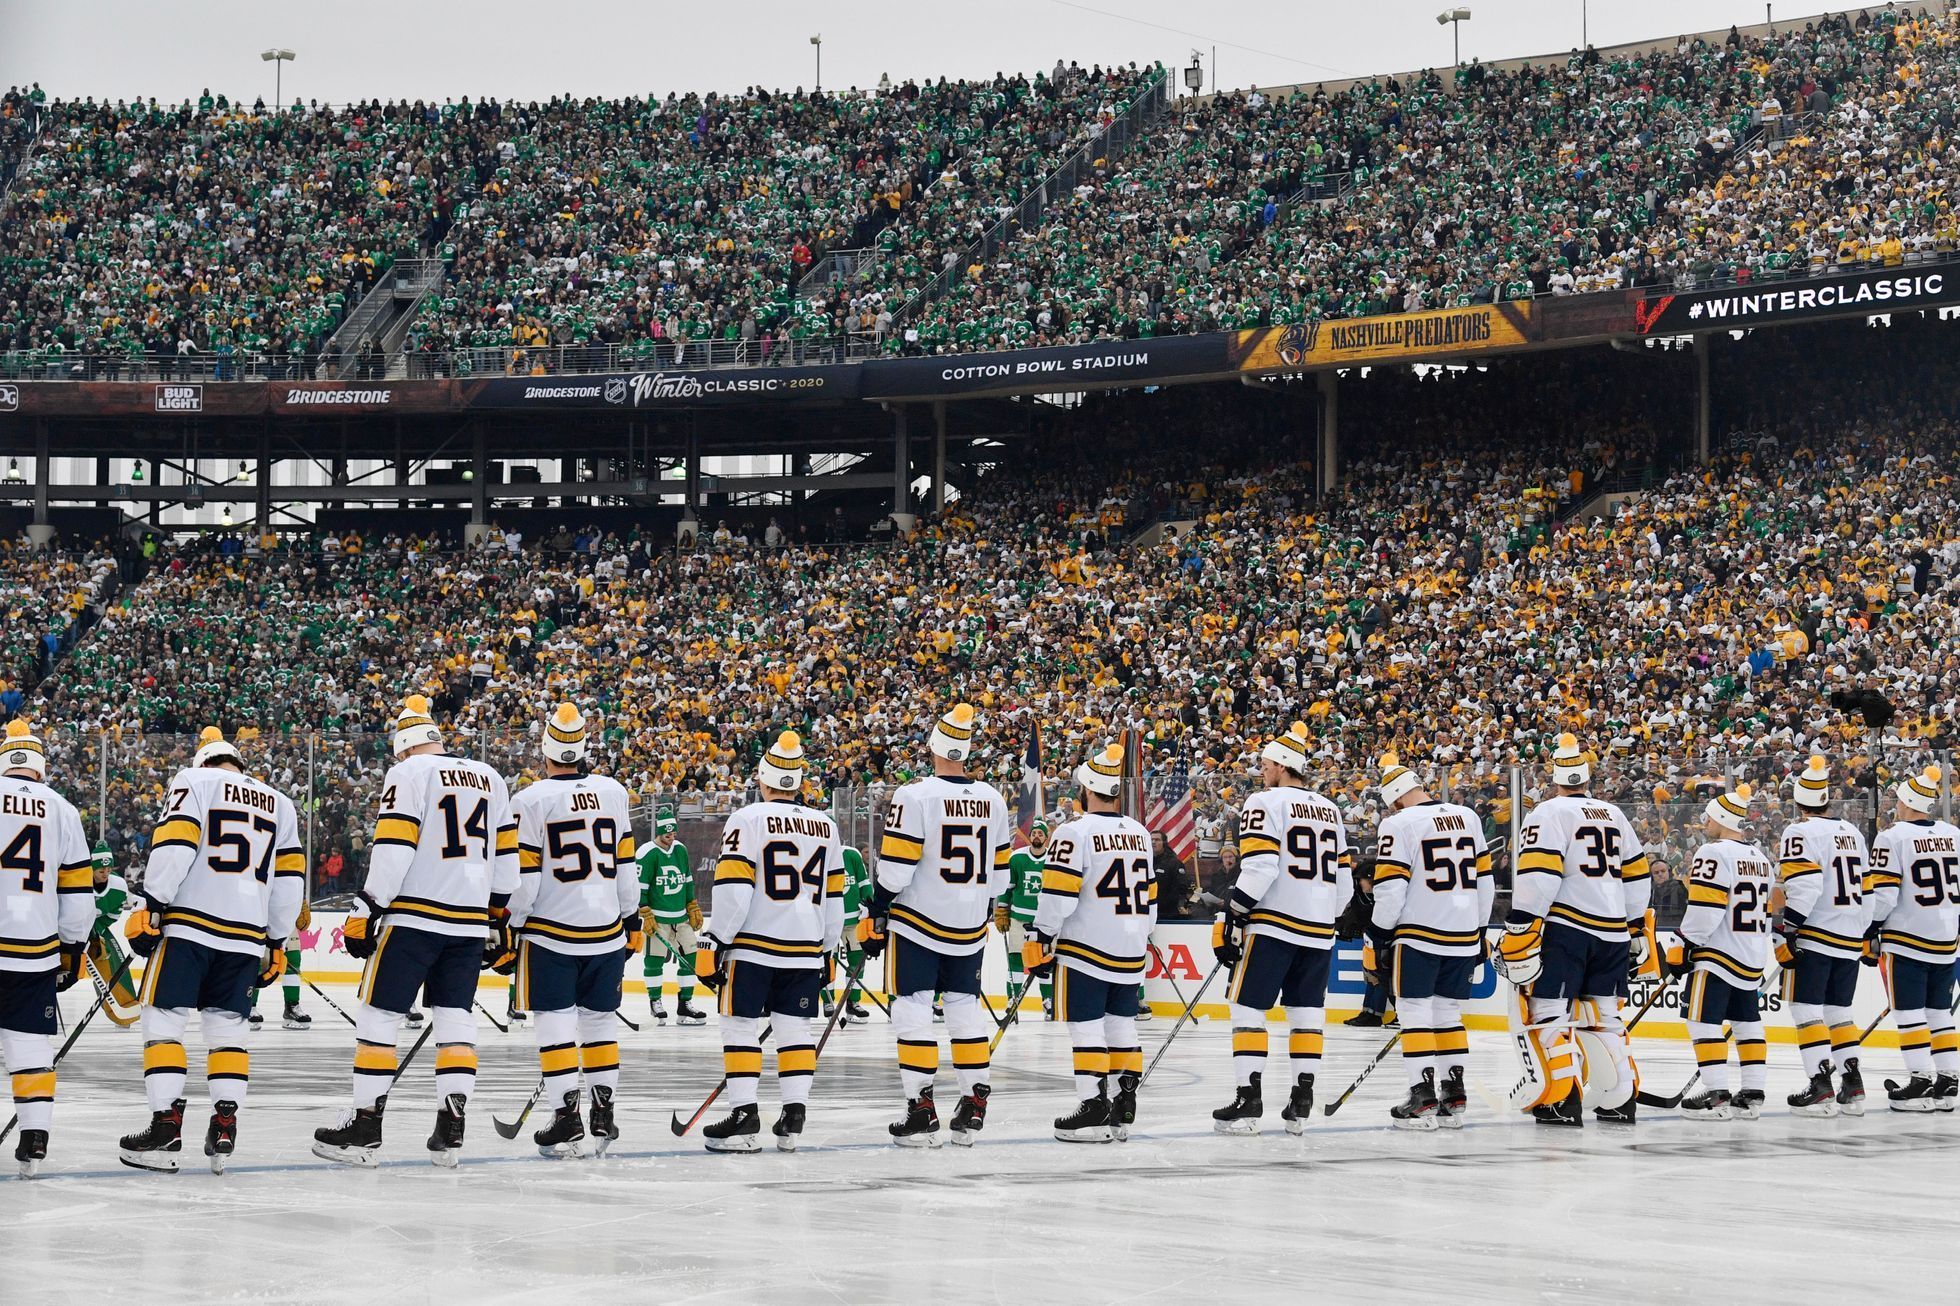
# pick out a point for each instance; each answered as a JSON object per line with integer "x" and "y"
{"x": 1915, "y": 890}
{"x": 47, "y": 886}
{"x": 1296, "y": 868}
{"x": 226, "y": 867}
{"x": 1580, "y": 862}
{"x": 1433, "y": 885}
{"x": 944, "y": 859}
{"x": 1099, "y": 896}
{"x": 578, "y": 873}
{"x": 1823, "y": 867}
{"x": 445, "y": 846}
{"x": 1727, "y": 922}
{"x": 779, "y": 886}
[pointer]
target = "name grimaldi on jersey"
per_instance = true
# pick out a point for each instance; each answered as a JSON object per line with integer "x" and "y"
{"x": 465, "y": 780}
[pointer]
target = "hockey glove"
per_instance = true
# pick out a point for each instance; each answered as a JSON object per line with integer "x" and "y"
{"x": 305, "y": 917}
{"x": 1370, "y": 963}
{"x": 636, "y": 933}
{"x": 708, "y": 964}
{"x": 1003, "y": 919}
{"x": 71, "y": 967}
{"x": 694, "y": 918}
{"x": 355, "y": 938}
{"x": 1676, "y": 961}
{"x": 871, "y": 936}
{"x": 273, "y": 967}
{"x": 1228, "y": 938}
{"x": 143, "y": 929}
{"x": 1518, "y": 952}
{"x": 1038, "y": 957}
{"x": 1870, "y": 955}
{"x": 499, "y": 948}
{"x": 1352, "y": 923}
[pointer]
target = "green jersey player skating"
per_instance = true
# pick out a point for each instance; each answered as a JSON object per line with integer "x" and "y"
{"x": 672, "y": 914}
{"x": 857, "y": 892}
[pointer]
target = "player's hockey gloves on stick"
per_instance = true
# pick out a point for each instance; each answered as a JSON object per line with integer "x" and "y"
{"x": 1786, "y": 937}
{"x": 1228, "y": 937}
{"x": 1676, "y": 961}
{"x": 1038, "y": 957}
{"x": 273, "y": 967}
{"x": 871, "y": 934}
{"x": 1519, "y": 952}
{"x": 1870, "y": 956}
{"x": 1003, "y": 919}
{"x": 708, "y": 965}
{"x": 72, "y": 955}
{"x": 144, "y": 929}
{"x": 636, "y": 933}
{"x": 499, "y": 949}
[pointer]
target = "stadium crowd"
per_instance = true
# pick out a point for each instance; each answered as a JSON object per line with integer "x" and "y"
{"x": 1446, "y": 604}
{"x": 658, "y": 226}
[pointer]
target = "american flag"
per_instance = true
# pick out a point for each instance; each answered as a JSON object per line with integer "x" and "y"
{"x": 1170, "y": 810}
{"x": 1030, "y": 796}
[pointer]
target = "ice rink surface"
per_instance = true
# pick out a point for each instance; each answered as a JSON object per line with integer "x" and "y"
{"x": 1782, "y": 1209}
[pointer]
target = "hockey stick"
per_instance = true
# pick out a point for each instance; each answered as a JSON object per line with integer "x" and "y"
{"x": 501, "y": 1027}
{"x": 1648, "y": 1005}
{"x": 624, "y": 1021}
{"x": 510, "y": 1130}
{"x": 837, "y": 1012}
{"x": 679, "y": 1127}
{"x": 329, "y": 1001}
{"x": 1182, "y": 1018}
{"x": 402, "y": 1068}
{"x": 1163, "y": 966}
{"x": 1362, "y": 1078}
{"x": 74, "y": 1034}
{"x": 1012, "y": 1014}
{"x": 1668, "y": 1103}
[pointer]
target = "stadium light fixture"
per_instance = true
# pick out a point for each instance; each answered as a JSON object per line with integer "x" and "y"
{"x": 1454, "y": 19}
{"x": 224, "y": 517}
{"x": 278, "y": 58}
{"x": 817, "y": 41}
{"x": 1194, "y": 75}
{"x": 13, "y": 471}
{"x": 243, "y": 473}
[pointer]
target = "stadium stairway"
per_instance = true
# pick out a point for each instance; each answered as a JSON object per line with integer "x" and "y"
{"x": 384, "y": 313}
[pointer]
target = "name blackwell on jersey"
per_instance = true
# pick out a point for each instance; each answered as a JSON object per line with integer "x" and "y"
{"x": 1120, "y": 843}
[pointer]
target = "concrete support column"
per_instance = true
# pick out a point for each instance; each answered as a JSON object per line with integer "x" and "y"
{"x": 1702, "y": 418}
{"x": 1327, "y": 457}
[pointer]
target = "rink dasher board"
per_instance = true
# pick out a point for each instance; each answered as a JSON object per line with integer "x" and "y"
{"x": 1185, "y": 949}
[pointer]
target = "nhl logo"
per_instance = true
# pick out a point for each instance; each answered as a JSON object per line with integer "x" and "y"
{"x": 616, "y": 390}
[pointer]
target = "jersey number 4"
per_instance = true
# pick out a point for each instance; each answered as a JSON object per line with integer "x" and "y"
{"x": 24, "y": 855}
{"x": 456, "y": 826}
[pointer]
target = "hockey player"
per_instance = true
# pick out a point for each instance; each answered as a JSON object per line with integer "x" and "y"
{"x": 857, "y": 892}
{"x": 222, "y": 891}
{"x": 47, "y": 905}
{"x": 779, "y": 910}
{"x": 1726, "y": 930}
{"x": 667, "y": 887}
{"x": 114, "y": 970}
{"x": 432, "y": 915}
{"x": 576, "y": 917}
{"x": 1822, "y": 929}
{"x": 1296, "y": 875}
{"x": 1092, "y": 925}
{"x": 1433, "y": 893}
{"x": 1914, "y": 888}
{"x": 294, "y": 1018}
{"x": 1575, "y": 931}
{"x": 1014, "y": 918}
{"x": 941, "y": 864}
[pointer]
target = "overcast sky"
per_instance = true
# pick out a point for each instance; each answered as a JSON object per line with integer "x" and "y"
{"x": 354, "y": 49}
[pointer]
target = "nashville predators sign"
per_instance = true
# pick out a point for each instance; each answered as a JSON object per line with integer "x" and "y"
{"x": 1399, "y": 337}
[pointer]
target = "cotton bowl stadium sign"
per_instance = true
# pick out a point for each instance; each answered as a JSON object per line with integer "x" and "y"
{"x": 1880, "y": 290}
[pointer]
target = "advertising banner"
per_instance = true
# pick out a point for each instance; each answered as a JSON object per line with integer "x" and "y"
{"x": 1065, "y": 367}
{"x": 1399, "y": 337}
{"x": 673, "y": 388}
{"x": 1879, "y": 290}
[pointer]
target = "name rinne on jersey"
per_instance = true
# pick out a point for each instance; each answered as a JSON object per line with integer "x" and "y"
{"x": 465, "y": 780}
{"x": 20, "y": 805}
{"x": 262, "y": 799}
{"x": 814, "y": 827}
{"x": 1120, "y": 843}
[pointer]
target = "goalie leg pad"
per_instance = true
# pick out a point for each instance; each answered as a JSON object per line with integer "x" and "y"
{"x": 1541, "y": 1029}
